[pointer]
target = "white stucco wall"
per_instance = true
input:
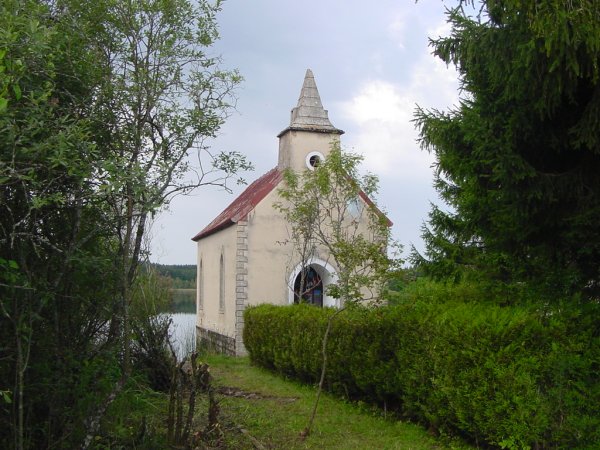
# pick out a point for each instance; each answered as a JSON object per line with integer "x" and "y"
{"x": 210, "y": 316}
{"x": 294, "y": 145}
{"x": 268, "y": 257}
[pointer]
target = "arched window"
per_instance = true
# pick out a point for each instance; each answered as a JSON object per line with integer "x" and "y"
{"x": 318, "y": 275}
{"x": 308, "y": 287}
{"x": 222, "y": 285}
{"x": 200, "y": 287}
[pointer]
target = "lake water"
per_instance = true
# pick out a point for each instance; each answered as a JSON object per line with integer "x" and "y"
{"x": 183, "y": 328}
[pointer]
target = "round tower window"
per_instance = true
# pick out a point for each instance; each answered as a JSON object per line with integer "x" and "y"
{"x": 313, "y": 159}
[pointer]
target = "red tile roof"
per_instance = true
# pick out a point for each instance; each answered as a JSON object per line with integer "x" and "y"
{"x": 252, "y": 195}
{"x": 241, "y": 206}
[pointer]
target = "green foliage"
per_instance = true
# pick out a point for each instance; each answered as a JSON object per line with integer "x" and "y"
{"x": 100, "y": 103}
{"x": 136, "y": 419}
{"x": 182, "y": 276}
{"x": 272, "y": 410}
{"x": 54, "y": 243}
{"x": 162, "y": 97}
{"x": 502, "y": 375}
{"x": 468, "y": 290}
{"x": 151, "y": 355}
{"x": 151, "y": 293}
{"x": 517, "y": 159}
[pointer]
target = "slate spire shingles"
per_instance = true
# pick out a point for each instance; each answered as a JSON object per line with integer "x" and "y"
{"x": 309, "y": 114}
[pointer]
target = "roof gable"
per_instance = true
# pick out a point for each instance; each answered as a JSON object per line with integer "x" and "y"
{"x": 243, "y": 204}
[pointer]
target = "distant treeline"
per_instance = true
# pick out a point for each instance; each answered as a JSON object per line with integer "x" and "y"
{"x": 182, "y": 276}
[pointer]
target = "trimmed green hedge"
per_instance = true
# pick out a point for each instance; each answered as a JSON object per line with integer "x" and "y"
{"x": 511, "y": 377}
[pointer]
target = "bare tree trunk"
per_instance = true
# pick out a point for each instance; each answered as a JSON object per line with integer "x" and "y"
{"x": 192, "y": 398}
{"x": 126, "y": 265}
{"x": 125, "y": 330}
{"x": 22, "y": 349}
{"x": 179, "y": 403}
{"x": 213, "y": 411}
{"x": 20, "y": 372}
{"x": 175, "y": 414}
{"x": 308, "y": 428}
{"x": 171, "y": 413}
{"x": 93, "y": 421}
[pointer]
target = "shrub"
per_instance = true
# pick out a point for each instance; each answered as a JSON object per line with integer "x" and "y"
{"x": 150, "y": 352}
{"x": 509, "y": 376}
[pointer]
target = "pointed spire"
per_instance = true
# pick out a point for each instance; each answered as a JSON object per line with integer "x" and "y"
{"x": 309, "y": 113}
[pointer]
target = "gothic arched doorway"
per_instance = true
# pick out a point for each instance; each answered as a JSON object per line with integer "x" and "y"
{"x": 312, "y": 291}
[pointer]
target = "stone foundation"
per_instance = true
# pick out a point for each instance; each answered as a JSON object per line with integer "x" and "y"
{"x": 213, "y": 342}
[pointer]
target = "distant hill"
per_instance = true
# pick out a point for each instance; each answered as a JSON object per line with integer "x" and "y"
{"x": 183, "y": 276}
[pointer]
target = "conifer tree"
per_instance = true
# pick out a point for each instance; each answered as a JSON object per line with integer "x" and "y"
{"x": 518, "y": 158}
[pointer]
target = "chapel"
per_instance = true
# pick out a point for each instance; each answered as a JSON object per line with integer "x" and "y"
{"x": 243, "y": 258}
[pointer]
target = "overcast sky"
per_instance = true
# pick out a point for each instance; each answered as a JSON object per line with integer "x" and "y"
{"x": 372, "y": 65}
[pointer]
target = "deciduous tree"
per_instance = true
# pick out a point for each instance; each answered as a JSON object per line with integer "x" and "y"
{"x": 53, "y": 236}
{"x": 163, "y": 96}
{"x": 101, "y": 106}
{"x": 330, "y": 213}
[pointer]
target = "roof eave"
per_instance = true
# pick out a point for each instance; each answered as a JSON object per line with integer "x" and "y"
{"x": 312, "y": 130}
{"x": 219, "y": 227}
{"x": 372, "y": 205}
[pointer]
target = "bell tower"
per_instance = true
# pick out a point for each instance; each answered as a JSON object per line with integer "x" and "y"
{"x": 309, "y": 137}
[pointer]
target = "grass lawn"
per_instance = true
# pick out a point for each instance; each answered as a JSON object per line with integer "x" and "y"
{"x": 261, "y": 410}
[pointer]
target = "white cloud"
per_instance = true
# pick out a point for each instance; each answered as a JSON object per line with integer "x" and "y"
{"x": 383, "y": 52}
{"x": 383, "y": 132}
{"x": 381, "y": 114}
{"x": 396, "y": 30}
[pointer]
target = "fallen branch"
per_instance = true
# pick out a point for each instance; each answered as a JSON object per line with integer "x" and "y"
{"x": 255, "y": 442}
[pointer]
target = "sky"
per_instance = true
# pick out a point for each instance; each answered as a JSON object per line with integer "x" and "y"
{"x": 372, "y": 66}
